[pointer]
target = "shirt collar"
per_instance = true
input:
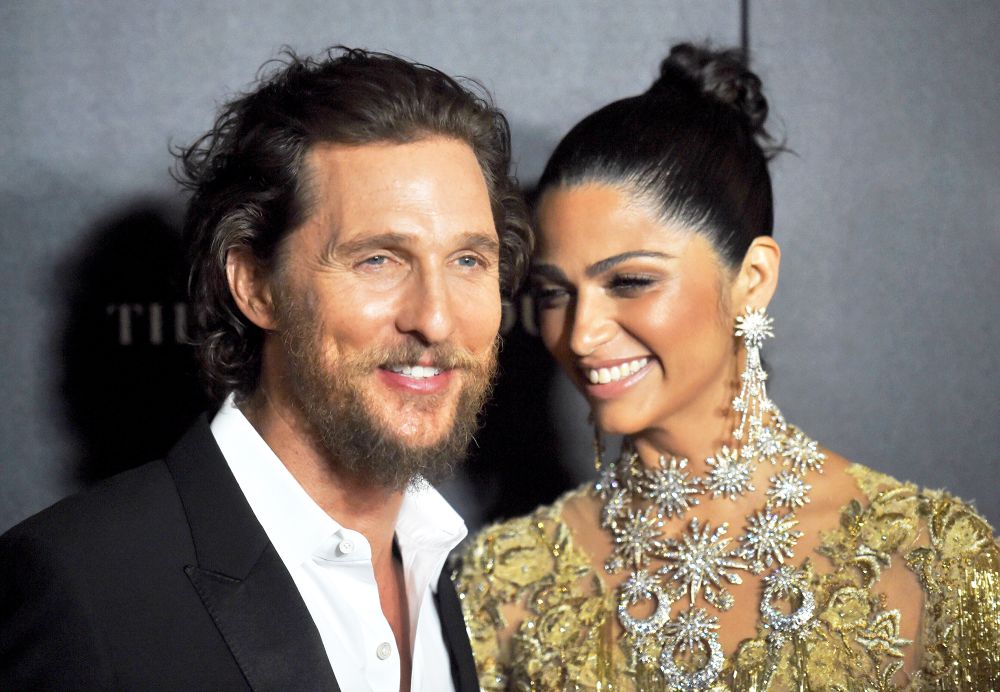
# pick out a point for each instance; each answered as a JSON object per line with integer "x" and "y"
{"x": 298, "y": 527}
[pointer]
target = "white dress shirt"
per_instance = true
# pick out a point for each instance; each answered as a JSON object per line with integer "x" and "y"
{"x": 332, "y": 565}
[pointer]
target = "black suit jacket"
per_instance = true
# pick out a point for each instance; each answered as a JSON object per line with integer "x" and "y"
{"x": 162, "y": 578}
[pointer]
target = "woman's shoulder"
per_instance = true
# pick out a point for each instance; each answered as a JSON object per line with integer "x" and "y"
{"x": 888, "y": 515}
{"x": 953, "y": 553}
{"x": 953, "y": 527}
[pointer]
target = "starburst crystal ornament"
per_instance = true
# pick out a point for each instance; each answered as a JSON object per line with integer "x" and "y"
{"x": 614, "y": 507}
{"x": 691, "y": 627}
{"x": 670, "y": 487}
{"x": 754, "y": 326}
{"x": 767, "y": 444}
{"x": 802, "y": 453}
{"x": 693, "y": 630}
{"x": 637, "y": 536}
{"x": 781, "y": 584}
{"x": 607, "y": 480}
{"x": 640, "y": 586}
{"x": 729, "y": 475}
{"x": 701, "y": 558}
{"x": 770, "y": 537}
{"x": 788, "y": 490}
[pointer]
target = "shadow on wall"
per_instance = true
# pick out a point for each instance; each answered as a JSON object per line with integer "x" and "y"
{"x": 517, "y": 464}
{"x": 129, "y": 380}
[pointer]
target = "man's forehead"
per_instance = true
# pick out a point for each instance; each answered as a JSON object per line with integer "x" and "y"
{"x": 402, "y": 193}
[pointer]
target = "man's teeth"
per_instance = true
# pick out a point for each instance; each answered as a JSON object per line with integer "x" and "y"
{"x": 613, "y": 374}
{"x": 415, "y": 371}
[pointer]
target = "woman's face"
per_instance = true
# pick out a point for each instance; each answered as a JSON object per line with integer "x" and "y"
{"x": 636, "y": 311}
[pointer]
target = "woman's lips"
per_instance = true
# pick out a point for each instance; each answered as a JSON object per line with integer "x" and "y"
{"x": 609, "y": 379}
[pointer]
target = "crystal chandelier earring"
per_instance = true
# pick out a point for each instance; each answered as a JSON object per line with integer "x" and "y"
{"x": 598, "y": 443}
{"x": 607, "y": 473}
{"x": 752, "y": 403}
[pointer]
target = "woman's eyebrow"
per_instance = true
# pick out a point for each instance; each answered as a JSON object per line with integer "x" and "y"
{"x": 604, "y": 265}
{"x": 550, "y": 272}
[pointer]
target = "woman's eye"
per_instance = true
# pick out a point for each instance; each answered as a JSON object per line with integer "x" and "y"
{"x": 628, "y": 284}
{"x": 549, "y": 296}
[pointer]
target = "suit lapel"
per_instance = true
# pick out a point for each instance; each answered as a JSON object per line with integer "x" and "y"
{"x": 456, "y": 637}
{"x": 241, "y": 580}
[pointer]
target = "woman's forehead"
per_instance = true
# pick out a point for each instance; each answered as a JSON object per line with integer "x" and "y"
{"x": 600, "y": 219}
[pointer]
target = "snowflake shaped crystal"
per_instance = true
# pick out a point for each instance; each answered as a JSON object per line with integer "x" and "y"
{"x": 614, "y": 508}
{"x": 788, "y": 490}
{"x": 669, "y": 487}
{"x": 782, "y": 581}
{"x": 769, "y": 538}
{"x": 803, "y": 454}
{"x": 637, "y": 535}
{"x": 607, "y": 480}
{"x": 691, "y": 628}
{"x": 779, "y": 585}
{"x": 755, "y": 326}
{"x": 729, "y": 475}
{"x": 767, "y": 444}
{"x": 700, "y": 559}
{"x": 639, "y": 585}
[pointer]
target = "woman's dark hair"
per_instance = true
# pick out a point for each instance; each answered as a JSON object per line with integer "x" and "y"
{"x": 694, "y": 145}
{"x": 248, "y": 190}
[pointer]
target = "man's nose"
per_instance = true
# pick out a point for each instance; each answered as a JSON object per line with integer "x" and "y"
{"x": 427, "y": 310}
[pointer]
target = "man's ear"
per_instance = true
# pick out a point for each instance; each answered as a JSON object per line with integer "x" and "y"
{"x": 758, "y": 275}
{"x": 250, "y": 286}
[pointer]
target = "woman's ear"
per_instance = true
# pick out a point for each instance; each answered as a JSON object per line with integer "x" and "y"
{"x": 250, "y": 285}
{"x": 758, "y": 275}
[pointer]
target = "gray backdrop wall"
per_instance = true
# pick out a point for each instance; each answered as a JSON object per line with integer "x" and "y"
{"x": 888, "y": 212}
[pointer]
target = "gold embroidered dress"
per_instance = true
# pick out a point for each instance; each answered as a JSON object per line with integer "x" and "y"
{"x": 530, "y": 568}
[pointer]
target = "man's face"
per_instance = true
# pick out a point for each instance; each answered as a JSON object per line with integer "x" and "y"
{"x": 388, "y": 305}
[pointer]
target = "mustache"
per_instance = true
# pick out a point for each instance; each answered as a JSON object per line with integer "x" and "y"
{"x": 443, "y": 356}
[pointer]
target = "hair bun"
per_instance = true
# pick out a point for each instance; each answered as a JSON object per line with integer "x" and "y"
{"x": 722, "y": 75}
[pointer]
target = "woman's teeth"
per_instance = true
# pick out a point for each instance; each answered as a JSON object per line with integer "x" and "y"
{"x": 613, "y": 374}
{"x": 415, "y": 371}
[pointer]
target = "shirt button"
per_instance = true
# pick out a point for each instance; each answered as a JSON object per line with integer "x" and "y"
{"x": 383, "y": 651}
{"x": 346, "y": 547}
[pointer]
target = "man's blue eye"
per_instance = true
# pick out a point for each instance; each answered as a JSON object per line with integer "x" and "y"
{"x": 376, "y": 260}
{"x": 468, "y": 261}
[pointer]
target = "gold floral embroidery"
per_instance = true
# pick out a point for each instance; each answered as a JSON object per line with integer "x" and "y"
{"x": 540, "y": 619}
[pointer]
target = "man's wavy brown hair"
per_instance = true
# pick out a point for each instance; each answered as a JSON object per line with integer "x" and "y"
{"x": 246, "y": 175}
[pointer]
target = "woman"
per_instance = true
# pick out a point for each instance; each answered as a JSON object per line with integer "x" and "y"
{"x": 724, "y": 548}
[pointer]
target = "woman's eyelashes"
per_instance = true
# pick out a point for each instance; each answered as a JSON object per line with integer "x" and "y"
{"x": 628, "y": 285}
{"x": 550, "y": 295}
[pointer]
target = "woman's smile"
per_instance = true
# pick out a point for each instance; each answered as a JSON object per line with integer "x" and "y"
{"x": 609, "y": 379}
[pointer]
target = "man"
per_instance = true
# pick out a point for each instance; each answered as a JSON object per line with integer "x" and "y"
{"x": 351, "y": 230}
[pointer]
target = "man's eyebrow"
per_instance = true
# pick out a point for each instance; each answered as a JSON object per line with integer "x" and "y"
{"x": 604, "y": 265}
{"x": 482, "y": 242}
{"x": 368, "y": 243}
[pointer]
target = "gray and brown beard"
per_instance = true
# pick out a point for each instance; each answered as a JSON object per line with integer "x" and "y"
{"x": 343, "y": 422}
